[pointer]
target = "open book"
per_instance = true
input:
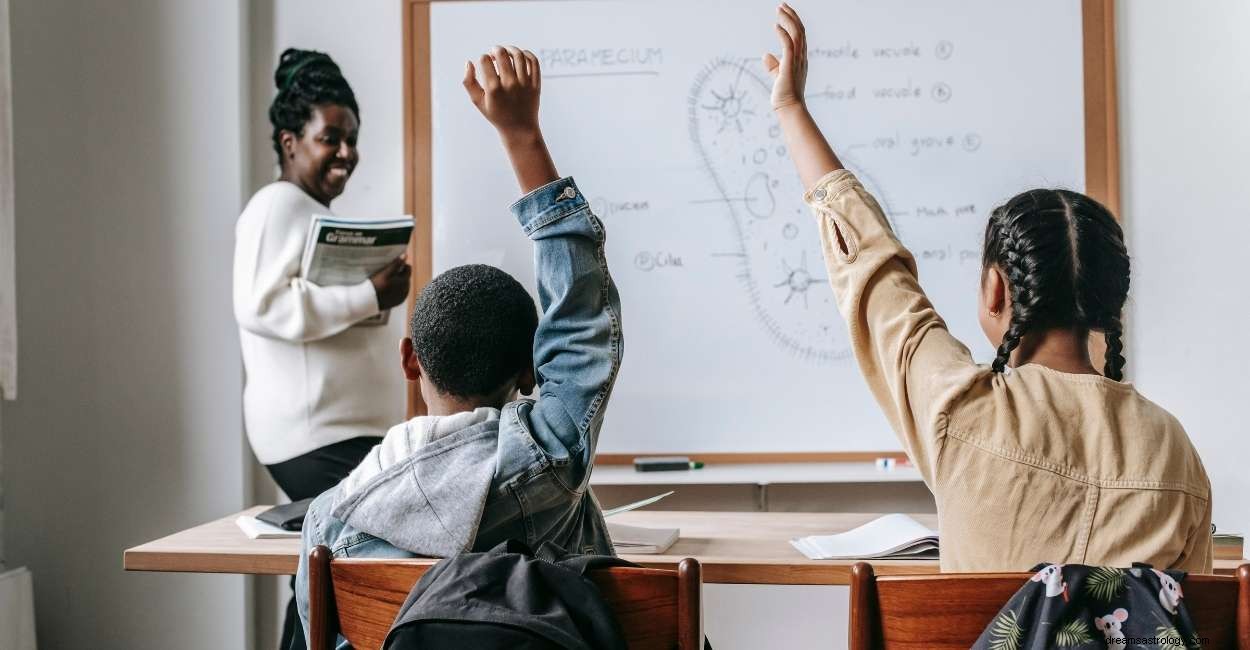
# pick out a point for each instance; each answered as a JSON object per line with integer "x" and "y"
{"x": 338, "y": 251}
{"x": 888, "y": 537}
{"x": 639, "y": 540}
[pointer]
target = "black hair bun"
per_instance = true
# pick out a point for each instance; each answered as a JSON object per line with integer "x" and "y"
{"x": 295, "y": 62}
{"x": 306, "y": 78}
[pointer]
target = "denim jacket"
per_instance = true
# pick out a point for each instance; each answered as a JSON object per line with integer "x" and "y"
{"x": 475, "y": 479}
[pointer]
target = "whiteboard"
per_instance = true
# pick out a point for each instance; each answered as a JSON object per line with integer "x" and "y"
{"x": 660, "y": 110}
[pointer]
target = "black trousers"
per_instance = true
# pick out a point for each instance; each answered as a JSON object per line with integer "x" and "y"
{"x": 308, "y": 476}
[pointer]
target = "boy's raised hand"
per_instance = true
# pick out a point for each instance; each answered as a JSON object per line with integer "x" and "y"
{"x": 507, "y": 94}
{"x": 789, "y": 73}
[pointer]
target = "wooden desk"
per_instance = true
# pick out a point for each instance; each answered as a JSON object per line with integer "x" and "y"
{"x": 734, "y": 548}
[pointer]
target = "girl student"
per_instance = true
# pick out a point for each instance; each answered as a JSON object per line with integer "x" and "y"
{"x": 1038, "y": 457}
{"x": 321, "y": 389}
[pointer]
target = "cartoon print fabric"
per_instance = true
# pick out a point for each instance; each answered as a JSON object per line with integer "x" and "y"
{"x": 1091, "y": 608}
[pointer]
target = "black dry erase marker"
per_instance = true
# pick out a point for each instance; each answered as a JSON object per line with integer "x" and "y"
{"x": 665, "y": 464}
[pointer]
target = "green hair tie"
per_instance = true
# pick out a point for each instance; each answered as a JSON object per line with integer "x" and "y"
{"x": 290, "y": 76}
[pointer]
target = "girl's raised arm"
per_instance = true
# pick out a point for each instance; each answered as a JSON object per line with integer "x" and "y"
{"x": 912, "y": 364}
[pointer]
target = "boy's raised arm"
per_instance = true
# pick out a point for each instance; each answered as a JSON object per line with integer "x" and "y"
{"x": 578, "y": 344}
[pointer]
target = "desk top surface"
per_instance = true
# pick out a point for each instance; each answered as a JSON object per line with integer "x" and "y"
{"x": 733, "y": 547}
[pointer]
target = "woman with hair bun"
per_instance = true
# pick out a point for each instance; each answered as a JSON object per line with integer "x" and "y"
{"x": 320, "y": 389}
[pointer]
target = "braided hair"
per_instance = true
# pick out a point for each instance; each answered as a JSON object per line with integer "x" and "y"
{"x": 305, "y": 78}
{"x": 1066, "y": 265}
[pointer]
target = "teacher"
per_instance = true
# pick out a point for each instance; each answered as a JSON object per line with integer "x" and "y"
{"x": 321, "y": 388}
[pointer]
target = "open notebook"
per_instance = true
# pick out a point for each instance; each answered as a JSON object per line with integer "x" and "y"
{"x": 888, "y": 537}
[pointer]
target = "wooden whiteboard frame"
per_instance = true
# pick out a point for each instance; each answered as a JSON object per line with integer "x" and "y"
{"x": 1102, "y": 177}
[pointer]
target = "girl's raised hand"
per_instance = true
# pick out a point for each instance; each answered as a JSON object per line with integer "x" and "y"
{"x": 789, "y": 73}
{"x": 507, "y": 94}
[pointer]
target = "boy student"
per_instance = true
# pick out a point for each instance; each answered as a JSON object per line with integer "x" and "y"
{"x": 483, "y": 467}
{"x": 1038, "y": 457}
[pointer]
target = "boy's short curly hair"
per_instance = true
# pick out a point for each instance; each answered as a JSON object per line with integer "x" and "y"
{"x": 472, "y": 329}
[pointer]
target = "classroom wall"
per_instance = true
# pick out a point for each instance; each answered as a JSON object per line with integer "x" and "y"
{"x": 1184, "y": 138}
{"x": 128, "y": 123}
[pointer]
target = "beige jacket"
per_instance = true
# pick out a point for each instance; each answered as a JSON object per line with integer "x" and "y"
{"x": 1029, "y": 466}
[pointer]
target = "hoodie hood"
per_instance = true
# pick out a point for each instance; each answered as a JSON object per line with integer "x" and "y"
{"x": 428, "y": 469}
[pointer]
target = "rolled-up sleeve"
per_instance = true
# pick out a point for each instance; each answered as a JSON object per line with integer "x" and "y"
{"x": 912, "y": 364}
{"x": 579, "y": 342}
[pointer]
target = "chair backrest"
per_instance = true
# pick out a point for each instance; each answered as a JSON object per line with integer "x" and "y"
{"x": 359, "y": 598}
{"x": 947, "y": 611}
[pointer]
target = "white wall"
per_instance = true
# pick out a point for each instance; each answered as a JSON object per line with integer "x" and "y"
{"x": 1185, "y": 132}
{"x": 128, "y": 167}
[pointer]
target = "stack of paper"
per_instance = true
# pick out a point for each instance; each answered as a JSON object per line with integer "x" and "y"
{"x": 887, "y": 537}
{"x": 257, "y": 529}
{"x": 635, "y": 540}
{"x": 635, "y": 505}
{"x": 638, "y": 540}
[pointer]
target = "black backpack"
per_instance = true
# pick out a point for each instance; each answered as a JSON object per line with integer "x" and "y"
{"x": 509, "y": 597}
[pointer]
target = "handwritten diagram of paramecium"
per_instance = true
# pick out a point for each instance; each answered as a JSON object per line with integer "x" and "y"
{"x": 750, "y": 181}
{"x": 778, "y": 261}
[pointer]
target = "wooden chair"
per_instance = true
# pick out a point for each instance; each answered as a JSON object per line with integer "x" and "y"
{"x": 359, "y": 598}
{"x": 941, "y": 611}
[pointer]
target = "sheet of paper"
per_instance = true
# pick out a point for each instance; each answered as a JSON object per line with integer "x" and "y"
{"x": 635, "y": 505}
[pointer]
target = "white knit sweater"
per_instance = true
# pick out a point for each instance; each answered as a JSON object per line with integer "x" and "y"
{"x": 312, "y": 378}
